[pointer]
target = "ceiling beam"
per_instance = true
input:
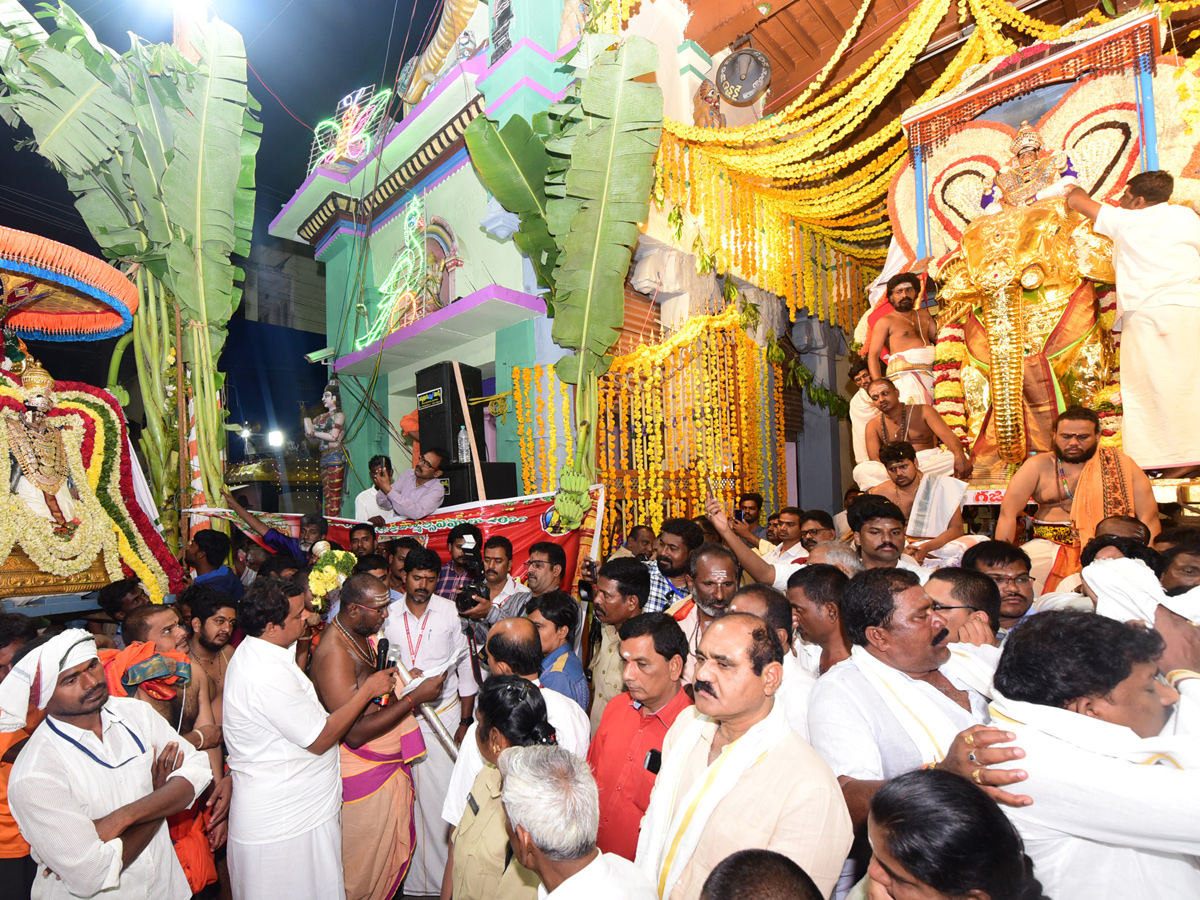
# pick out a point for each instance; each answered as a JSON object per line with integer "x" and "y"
{"x": 828, "y": 19}
{"x": 715, "y": 34}
{"x": 799, "y": 35}
{"x": 778, "y": 55}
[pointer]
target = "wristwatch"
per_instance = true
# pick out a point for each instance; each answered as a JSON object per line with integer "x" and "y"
{"x": 466, "y": 720}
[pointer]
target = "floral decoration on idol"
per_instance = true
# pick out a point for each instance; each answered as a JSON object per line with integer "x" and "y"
{"x": 329, "y": 572}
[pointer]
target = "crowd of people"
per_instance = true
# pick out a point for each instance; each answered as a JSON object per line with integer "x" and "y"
{"x": 809, "y": 706}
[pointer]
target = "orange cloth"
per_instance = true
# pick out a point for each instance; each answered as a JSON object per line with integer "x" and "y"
{"x": 189, "y": 834}
{"x": 1105, "y": 489}
{"x": 12, "y": 845}
{"x": 117, "y": 662}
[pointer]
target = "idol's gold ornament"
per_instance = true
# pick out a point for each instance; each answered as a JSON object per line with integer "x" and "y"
{"x": 1020, "y": 284}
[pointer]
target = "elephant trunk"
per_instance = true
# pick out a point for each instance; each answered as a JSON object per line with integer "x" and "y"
{"x": 1004, "y": 319}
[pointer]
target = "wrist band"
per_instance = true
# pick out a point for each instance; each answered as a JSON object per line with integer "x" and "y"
{"x": 465, "y": 720}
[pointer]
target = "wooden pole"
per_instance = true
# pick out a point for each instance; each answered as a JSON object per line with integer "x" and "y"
{"x": 462, "y": 398}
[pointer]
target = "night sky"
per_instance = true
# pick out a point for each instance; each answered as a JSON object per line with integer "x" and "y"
{"x": 309, "y": 52}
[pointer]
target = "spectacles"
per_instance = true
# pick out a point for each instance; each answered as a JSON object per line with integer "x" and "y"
{"x": 381, "y": 608}
{"x": 937, "y": 607}
{"x": 812, "y": 532}
{"x": 424, "y": 463}
{"x": 1018, "y": 580}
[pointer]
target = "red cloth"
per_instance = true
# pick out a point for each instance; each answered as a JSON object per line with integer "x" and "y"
{"x": 617, "y": 756}
{"x": 189, "y": 835}
{"x": 117, "y": 662}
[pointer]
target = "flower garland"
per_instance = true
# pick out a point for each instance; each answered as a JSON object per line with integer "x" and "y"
{"x": 59, "y": 552}
{"x": 520, "y": 396}
{"x": 949, "y": 396}
{"x": 550, "y": 450}
{"x": 767, "y": 191}
{"x": 330, "y": 573}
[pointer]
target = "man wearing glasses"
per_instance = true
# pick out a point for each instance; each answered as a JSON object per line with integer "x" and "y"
{"x": 1009, "y": 567}
{"x": 969, "y": 602}
{"x": 417, "y": 492}
{"x": 377, "y": 792}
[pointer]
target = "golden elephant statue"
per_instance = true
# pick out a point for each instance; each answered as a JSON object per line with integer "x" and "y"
{"x": 1022, "y": 284}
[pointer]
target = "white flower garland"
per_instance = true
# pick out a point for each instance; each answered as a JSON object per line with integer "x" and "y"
{"x": 51, "y": 552}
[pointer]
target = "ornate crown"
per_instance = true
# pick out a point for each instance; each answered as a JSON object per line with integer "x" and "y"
{"x": 36, "y": 381}
{"x": 1027, "y": 139}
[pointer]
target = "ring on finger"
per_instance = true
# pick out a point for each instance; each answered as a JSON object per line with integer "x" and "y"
{"x": 970, "y": 739}
{"x": 975, "y": 776}
{"x": 971, "y": 757}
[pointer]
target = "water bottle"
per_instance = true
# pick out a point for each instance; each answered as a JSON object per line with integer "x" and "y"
{"x": 464, "y": 445}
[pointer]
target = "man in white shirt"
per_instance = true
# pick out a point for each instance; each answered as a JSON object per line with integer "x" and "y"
{"x": 285, "y": 831}
{"x": 1157, "y": 257}
{"x": 366, "y": 503}
{"x": 879, "y": 527}
{"x": 513, "y": 648}
{"x": 93, "y": 785}
{"x": 772, "y": 607}
{"x": 426, "y": 630}
{"x": 418, "y": 492}
{"x": 553, "y": 810}
{"x": 862, "y": 410}
{"x": 898, "y": 703}
{"x": 775, "y": 566}
{"x": 1114, "y": 791}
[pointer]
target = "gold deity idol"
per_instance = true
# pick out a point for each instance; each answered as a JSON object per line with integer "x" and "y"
{"x": 1022, "y": 284}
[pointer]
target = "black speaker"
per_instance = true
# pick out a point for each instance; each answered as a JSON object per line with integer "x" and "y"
{"x": 439, "y": 412}
{"x": 499, "y": 480}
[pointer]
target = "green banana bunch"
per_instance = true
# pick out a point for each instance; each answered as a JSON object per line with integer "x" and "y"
{"x": 572, "y": 500}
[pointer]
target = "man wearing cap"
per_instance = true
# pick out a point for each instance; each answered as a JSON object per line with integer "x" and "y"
{"x": 93, "y": 787}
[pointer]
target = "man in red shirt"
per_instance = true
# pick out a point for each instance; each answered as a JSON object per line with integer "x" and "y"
{"x": 626, "y": 751}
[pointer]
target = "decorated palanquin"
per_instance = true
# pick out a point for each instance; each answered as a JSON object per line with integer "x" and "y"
{"x": 70, "y": 520}
{"x": 1025, "y": 293}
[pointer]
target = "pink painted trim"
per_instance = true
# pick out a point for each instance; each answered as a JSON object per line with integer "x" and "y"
{"x": 523, "y": 44}
{"x": 460, "y": 307}
{"x": 526, "y": 83}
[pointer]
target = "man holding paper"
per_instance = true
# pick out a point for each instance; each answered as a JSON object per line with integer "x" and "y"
{"x": 425, "y": 629}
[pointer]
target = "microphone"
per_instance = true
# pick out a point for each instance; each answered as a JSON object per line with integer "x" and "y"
{"x": 381, "y": 663}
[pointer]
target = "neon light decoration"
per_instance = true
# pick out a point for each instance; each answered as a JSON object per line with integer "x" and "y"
{"x": 348, "y": 137}
{"x": 402, "y": 294}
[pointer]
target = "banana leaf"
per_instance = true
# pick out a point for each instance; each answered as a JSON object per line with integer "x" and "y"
{"x": 607, "y": 194}
{"x": 512, "y": 163}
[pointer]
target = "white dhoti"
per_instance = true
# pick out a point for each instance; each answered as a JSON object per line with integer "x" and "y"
{"x": 1043, "y": 554}
{"x": 931, "y": 462}
{"x": 862, "y": 413}
{"x": 938, "y": 499}
{"x": 431, "y": 781}
{"x": 1159, "y": 370}
{"x": 911, "y": 371}
{"x": 304, "y": 865}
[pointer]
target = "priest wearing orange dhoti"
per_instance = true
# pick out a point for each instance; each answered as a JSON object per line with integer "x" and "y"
{"x": 1074, "y": 488}
{"x": 378, "y": 832}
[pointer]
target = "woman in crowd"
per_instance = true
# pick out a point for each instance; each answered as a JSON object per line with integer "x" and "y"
{"x": 510, "y": 712}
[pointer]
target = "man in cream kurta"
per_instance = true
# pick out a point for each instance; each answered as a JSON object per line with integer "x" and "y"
{"x": 735, "y": 776}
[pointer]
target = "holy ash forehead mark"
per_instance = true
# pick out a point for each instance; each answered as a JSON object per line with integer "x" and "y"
{"x": 720, "y": 573}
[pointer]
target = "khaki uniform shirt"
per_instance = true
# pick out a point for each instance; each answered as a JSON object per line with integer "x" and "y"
{"x": 789, "y": 802}
{"x": 481, "y": 848}
{"x": 608, "y": 679}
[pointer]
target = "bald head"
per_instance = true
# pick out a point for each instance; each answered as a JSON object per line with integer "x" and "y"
{"x": 764, "y": 602}
{"x": 513, "y": 648}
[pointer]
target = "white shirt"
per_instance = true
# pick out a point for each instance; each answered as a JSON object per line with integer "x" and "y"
{"x": 271, "y": 713}
{"x": 1157, "y": 255}
{"x": 809, "y": 655}
{"x": 862, "y": 411}
{"x": 572, "y": 731}
{"x": 366, "y": 507}
{"x": 786, "y": 562}
{"x": 609, "y": 876}
{"x": 793, "y": 693}
{"x": 430, "y": 642}
{"x": 56, "y": 790}
{"x": 852, "y": 727}
{"x": 910, "y": 564}
{"x": 1101, "y": 826}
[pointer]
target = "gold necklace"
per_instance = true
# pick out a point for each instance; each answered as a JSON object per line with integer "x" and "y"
{"x": 40, "y": 455}
{"x": 208, "y": 672}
